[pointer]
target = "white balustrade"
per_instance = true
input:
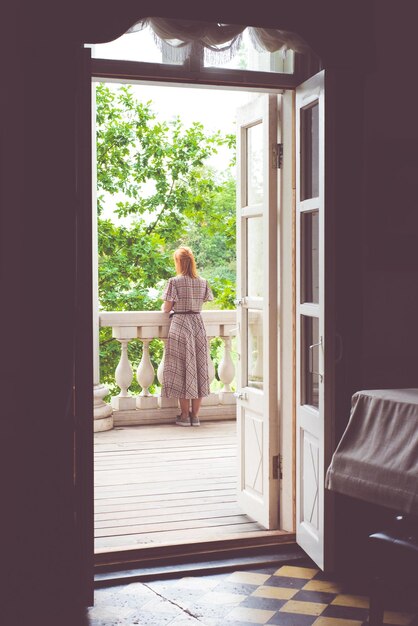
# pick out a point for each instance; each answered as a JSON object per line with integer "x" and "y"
{"x": 148, "y": 408}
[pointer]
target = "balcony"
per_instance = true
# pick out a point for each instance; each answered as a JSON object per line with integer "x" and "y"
{"x": 146, "y": 408}
{"x": 156, "y": 483}
{"x": 158, "y": 486}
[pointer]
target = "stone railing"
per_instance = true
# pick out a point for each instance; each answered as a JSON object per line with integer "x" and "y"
{"x": 146, "y": 408}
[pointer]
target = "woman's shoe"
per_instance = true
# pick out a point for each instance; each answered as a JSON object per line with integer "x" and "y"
{"x": 194, "y": 420}
{"x": 183, "y": 421}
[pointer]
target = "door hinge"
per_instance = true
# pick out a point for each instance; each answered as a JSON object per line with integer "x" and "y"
{"x": 278, "y": 155}
{"x": 277, "y": 467}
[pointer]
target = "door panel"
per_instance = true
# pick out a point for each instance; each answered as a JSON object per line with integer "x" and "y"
{"x": 313, "y": 331}
{"x": 258, "y": 490}
{"x": 83, "y": 346}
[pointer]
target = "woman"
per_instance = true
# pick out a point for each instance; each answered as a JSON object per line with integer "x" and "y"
{"x": 185, "y": 374}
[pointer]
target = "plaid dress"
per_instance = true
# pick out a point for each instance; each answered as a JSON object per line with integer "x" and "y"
{"x": 185, "y": 373}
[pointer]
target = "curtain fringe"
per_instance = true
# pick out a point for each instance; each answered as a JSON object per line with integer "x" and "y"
{"x": 175, "y": 39}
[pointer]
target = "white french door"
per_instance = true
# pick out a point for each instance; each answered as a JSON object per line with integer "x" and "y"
{"x": 257, "y": 413}
{"x": 313, "y": 323}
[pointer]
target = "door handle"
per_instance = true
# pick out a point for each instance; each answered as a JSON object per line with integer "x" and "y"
{"x": 240, "y": 395}
{"x": 311, "y": 349}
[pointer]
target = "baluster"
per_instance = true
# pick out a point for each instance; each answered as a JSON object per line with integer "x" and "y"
{"x": 213, "y": 397}
{"x": 102, "y": 412}
{"x": 226, "y": 372}
{"x": 123, "y": 376}
{"x": 145, "y": 376}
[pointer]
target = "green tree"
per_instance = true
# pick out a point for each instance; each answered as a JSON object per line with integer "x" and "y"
{"x": 156, "y": 191}
{"x": 214, "y": 243}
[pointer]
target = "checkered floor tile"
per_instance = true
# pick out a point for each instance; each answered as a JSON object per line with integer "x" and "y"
{"x": 281, "y": 596}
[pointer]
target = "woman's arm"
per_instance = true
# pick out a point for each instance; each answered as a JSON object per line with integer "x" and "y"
{"x": 169, "y": 296}
{"x": 167, "y": 306}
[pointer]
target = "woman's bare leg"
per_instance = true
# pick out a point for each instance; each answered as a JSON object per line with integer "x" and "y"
{"x": 196, "y": 402}
{"x": 184, "y": 406}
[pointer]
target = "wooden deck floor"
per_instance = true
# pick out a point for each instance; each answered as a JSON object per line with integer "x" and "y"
{"x": 166, "y": 484}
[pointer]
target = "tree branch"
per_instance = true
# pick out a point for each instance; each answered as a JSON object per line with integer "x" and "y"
{"x": 152, "y": 226}
{"x": 105, "y": 341}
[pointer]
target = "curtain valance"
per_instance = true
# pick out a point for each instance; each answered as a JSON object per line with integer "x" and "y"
{"x": 175, "y": 38}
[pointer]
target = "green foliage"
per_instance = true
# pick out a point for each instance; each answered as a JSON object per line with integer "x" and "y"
{"x": 155, "y": 191}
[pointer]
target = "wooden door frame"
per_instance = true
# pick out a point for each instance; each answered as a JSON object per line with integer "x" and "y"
{"x": 132, "y": 72}
{"x": 83, "y": 336}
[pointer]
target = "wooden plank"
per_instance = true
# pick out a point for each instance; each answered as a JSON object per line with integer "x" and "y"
{"x": 164, "y": 464}
{"x": 161, "y": 497}
{"x": 122, "y": 478}
{"x": 169, "y": 457}
{"x": 156, "y": 450}
{"x": 151, "y": 527}
{"x": 165, "y": 433}
{"x": 152, "y": 499}
{"x": 157, "y": 432}
{"x": 162, "y": 488}
{"x": 169, "y": 515}
{"x": 176, "y": 536}
{"x": 142, "y": 508}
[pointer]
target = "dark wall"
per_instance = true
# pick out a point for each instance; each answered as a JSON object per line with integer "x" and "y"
{"x": 390, "y": 280}
{"x": 387, "y": 244}
{"x": 38, "y": 312}
{"x": 38, "y": 223}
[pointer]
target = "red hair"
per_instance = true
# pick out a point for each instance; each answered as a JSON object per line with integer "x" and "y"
{"x": 185, "y": 263}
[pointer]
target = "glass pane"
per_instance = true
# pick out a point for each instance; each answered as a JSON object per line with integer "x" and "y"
{"x": 309, "y": 154}
{"x": 310, "y": 361}
{"x": 255, "y": 256}
{"x": 310, "y": 257}
{"x": 255, "y": 349}
{"x": 138, "y": 46}
{"x": 255, "y": 164}
{"x": 249, "y": 59}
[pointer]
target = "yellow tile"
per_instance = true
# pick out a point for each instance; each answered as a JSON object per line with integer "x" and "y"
{"x": 257, "y": 616}
{"x": 362, "y": 602}
{"x": 401, "y": 619}
{"x": 322, "y": 585}
{"x": 250, "y": 578}
{"x": 219, "y": 597}
{"x": 280, "y": 593}
{"x": 305, "y": 608}
{"x": 296, "y": 572}
{"x": 334, "y": 621}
